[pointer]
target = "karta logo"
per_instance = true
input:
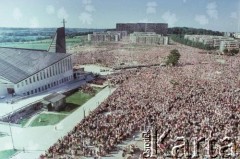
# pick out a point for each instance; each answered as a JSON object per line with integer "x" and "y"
{"x": 188, "y": 148}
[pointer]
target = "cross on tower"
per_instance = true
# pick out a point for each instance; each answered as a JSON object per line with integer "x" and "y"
{"x": 64, "y": 22}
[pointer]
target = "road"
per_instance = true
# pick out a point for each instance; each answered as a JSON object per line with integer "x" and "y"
{"x": 35, "y": 140}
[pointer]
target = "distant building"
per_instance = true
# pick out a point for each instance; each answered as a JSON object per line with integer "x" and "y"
{"x": 149, "y": 38}
{"x": 228, "y": 34}
{"x": 236, "y": 35}
{"x": 121, "y": 34}
{"x": 213, "y": 41}
{"x": 229, "y": 45}
{"x": 159, "y": 28}
{"x": 26, "y": 72}
{"x": 110, "y": 36}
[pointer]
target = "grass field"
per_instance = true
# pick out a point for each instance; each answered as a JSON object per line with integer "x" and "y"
{"x": 7, "y": 154}
{"x": 44, "y": 44}
{"x": 73, "y": 102}
{"x": 77, "y": 99}
{"x": 23, "y": 122}
{"x": 47, "y": 119}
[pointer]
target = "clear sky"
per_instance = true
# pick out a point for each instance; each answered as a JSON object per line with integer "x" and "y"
{"x": 222, "y": 15}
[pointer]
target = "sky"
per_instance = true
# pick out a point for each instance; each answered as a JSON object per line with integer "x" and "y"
{"x": 219, "y": 15}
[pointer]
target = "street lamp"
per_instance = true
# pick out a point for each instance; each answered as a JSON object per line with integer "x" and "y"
{"x": 109, "y": 83}
{"x": 11, "y": 129}
{"x": 84, "y": 113}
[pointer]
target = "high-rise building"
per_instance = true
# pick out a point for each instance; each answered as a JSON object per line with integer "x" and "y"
{"x": 159, "y": 28}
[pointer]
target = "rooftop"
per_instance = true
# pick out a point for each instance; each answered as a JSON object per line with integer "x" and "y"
{"x": 54, "y": 97}
{"x": 18, "y": 64}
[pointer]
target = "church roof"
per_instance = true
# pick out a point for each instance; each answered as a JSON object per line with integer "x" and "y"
{"x": 18, "y": 64}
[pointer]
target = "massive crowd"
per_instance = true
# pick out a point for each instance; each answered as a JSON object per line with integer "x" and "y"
{"x": 197, "y": 99}
{"x": 128, "y": 55}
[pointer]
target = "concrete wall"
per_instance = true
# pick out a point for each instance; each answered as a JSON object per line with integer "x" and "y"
{"x": 109, "y": 36}
{"x": 4, "y": 87}
{"x": 121, "y": 33}
{"x": 210, "y": 40}
{"x": 148, "y": 38}
{"x": 229, "y": 45}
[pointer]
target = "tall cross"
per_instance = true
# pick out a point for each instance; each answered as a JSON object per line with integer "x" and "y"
{"x": 64, "y": 22}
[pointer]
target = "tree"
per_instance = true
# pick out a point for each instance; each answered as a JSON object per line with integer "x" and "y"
{"x": 225, "y": 51}
{"x": 173, "y": 57}
{"x": 230, "y": 52}
{"x": 234, "y": 51}
{"x": 185, "y": 30}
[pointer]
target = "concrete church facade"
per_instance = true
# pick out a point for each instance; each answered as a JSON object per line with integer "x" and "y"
{"x": 27, "y": 72}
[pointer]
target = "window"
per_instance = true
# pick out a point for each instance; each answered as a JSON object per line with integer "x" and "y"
{"x": 62, "y": 67}
{"x": 67, "y": 64}
{"x": 33, "y": 78}
{"x": 22, "y": 84}
{"x": 42, "y": 88}
{"x": 44, "y": 75}
{"x": 53, "y": 68}
{"x": 50, "y": 70}
{"x": 45, "y": 87}
{"x": 47, "y": 73}
{"x": 69, "y": 60}
{"x": 41, "y": 75}
{"x": 26, "y": 82}
{"x": 31, "y": 91}
{"x": 35, "y": 90}
{"x": 58, "y": 68}
{"x": 28, "y": 93}
{"x": 39, "y": 89}
{"x": 37, "y": 78}
{"x": 48, "y": 85}
{"x": 30, "y": 80}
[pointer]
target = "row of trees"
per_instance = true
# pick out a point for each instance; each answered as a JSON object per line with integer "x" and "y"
{"x": 21, "y": 39}
{"x": 71, "y": 35}
{"x": 180, "y": 39}
{"x": 192, "y": 31}
{"x": 36, "y": 34}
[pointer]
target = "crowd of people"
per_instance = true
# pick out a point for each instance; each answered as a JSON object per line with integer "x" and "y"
{"x": 198, "y": 98}
{"x": 19, "y": 115}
